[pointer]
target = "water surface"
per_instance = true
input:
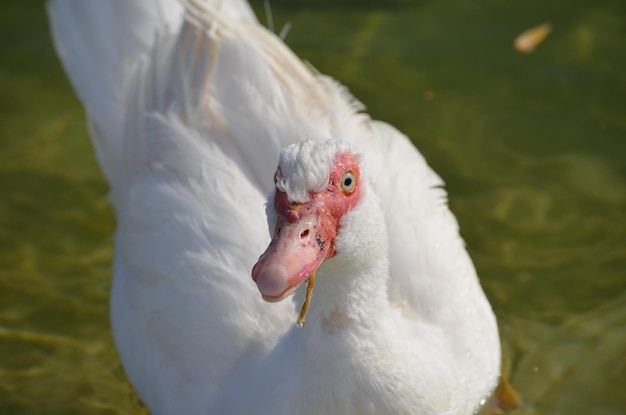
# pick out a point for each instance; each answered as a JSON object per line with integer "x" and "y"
{"x": 532, "y": 149}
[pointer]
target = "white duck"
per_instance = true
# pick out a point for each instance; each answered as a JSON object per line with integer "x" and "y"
{"x": 189, "y": 107}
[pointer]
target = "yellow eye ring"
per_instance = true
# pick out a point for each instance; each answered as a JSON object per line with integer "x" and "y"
{"x": 348, "y": 182}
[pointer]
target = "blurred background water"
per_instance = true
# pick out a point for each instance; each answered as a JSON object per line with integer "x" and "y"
{"x": 532, "y": 148}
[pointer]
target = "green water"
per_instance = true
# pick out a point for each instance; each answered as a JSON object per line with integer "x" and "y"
{"x": 532, "y": 148}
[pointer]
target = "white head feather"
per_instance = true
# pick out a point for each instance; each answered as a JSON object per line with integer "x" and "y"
{"x": 305, "y": 167}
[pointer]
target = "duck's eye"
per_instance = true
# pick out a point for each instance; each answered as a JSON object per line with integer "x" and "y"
{"x": 348, "y": 182}
{"x": 276, "y": 178}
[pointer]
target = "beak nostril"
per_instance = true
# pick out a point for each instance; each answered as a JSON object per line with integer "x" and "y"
{"x": 304, "y": 233}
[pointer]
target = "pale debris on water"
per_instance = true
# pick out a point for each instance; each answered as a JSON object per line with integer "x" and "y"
{"x": 527, "y": 41}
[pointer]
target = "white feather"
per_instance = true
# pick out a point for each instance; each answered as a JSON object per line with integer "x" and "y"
{"x": 305, "y": 167}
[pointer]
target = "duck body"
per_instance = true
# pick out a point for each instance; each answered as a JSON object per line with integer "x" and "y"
{"x": 189, "y": 106}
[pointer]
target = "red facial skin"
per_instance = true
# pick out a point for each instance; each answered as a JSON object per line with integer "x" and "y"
{"x": 305, "y": 233}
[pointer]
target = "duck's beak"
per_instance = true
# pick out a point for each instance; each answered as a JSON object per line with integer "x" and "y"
{"x": 297, "y": 249}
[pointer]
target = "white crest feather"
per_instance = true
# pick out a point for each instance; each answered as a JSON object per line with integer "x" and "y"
{"x": 305, "y": 167}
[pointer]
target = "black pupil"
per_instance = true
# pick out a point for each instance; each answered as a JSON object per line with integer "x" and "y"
{"x": 347, "y": 181}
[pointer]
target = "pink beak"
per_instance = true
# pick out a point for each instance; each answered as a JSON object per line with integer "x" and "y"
{"x": 299, "y": 245}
